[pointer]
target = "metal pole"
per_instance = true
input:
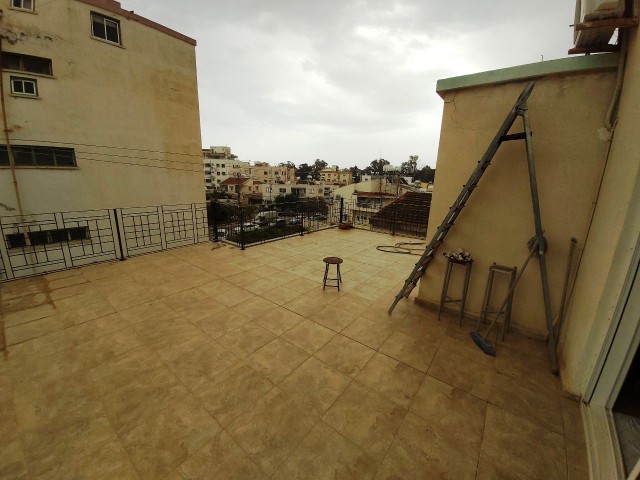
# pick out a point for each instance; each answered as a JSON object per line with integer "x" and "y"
{"x": 214, "y": 214}
{"x": 341, "y": 210}
{"x": 542, "y": 243}
{"x": 241, "y": 228}
{"x": 115, "y": 216}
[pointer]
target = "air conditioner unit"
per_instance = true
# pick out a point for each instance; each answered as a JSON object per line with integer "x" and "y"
{"x": 590, "y": 10}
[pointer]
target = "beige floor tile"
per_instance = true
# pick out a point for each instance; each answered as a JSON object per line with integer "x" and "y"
{"x": 234, "y": 296}
{"x": 172, "y": 339}
{"x": 123, "y": 370}
{"x": 12, "y": 461}
{"x": 233, "y": 392}
{"x": 219, "y": 324}
{"x": 154, "y": 312}
{"x": 246, "y": 339}
{"x": 25, "y": 302}
{"x": 28, "y": 315}
{"x": 417, "y": 352}
{"x": 309, "y": 336}
{"x": 333, "y": 317}
{"x": 136, "y": 402}
{"x": 54, "y": 446}
{"x": 165, "y": 440}
{"x": 42, "y": 404}
{"x": 279, "y": 320}
{"x": 272, "y": 430}
{"x": 260, "y": 286}
{"x": 523, "y": 446}
{"x": 242, "y": 279}
{"x": 315, "y": 386}
{"x": 465, "y": 368}
{"x": 490, "y": 469}
{"x": 324, "y": 453}
{"x": 366, "y": 418}
{"x": 277, "y": 359}
{"x": 221, "y": 459}
{"x": 302, "y": 285}
{"x": 281, "y": 295}
{"x": 352, "y": 303}
{"x": 370, "y": 333}
{"x": 202, "y": 364}
{"x": 456, "y": 416}
{"x": 538, "y": 405}
{"x": 392, "y": 379}
{"x": 345, "y": 355}
{"x": 305, "y": 305}
{"x": 254, "y": 308}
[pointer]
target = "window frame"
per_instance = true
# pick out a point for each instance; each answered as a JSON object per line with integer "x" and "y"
{"x": 13, "y": 79}
{"x": 22, "y": 60}
{"x": 35, "y": 151}
{"x": 32, "y": 9}
{"x": 104, "y": 18}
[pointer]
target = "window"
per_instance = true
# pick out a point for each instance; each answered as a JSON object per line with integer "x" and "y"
{"x": 105, "y": 28}
{"x": 26, "y": 63}
{"x": 24, "y": 86}
{"x": 29, "y": 155}
{"x": 45, "y": 237}
{"x": 283, "y": 190}
{"x": 23, "y": 4}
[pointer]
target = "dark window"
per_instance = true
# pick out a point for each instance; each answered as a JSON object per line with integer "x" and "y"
{"x": 45, "y": 237}
{"x": 24, "y": 86}
{"x": 26, "y": 63}
{"x": 16, "y": 240}
{"x": 23, "y": 4}
{"x": 29, "y": 155}
{"x": 105, "y": 28}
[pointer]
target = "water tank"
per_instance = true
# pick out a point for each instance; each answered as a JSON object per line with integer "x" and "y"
{"x": 590, "y": 10}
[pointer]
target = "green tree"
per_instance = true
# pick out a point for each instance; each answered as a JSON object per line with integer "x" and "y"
{"x": 410, "y": 167}
{"x": 303, "y": 171}
{"x": 377, "y": 166}
{"x": 426, "y": 174}
{"x": 356, "y": 174}
{"x": 317, "y": 166}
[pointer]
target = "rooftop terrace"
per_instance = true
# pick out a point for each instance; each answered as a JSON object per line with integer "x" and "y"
{"x": 212, "y": 362}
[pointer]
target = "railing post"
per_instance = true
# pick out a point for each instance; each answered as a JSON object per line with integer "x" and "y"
{"x": 301, "y": 218}
{"x": 117, "y": 222}
{"x": 241, "y": 228}
{"x": 341, "y": 210}
{"x": 194, "y": 217}
{"x": 395, "y": 218}
{"x": 214, "y": 221}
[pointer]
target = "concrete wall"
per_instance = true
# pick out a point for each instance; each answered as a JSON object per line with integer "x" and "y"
{"x": 567, "y": 112}
{"x": 142, "y": 96}
{"x": 611, "y": 242}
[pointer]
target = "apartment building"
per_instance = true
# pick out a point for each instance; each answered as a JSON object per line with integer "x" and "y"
{"x": 219, "y": 165}
{"x": 335, "y": 176}
{"x": 265, "y": 172}
{"x": 270, "y": 191}
{"x": 102, "y": 106}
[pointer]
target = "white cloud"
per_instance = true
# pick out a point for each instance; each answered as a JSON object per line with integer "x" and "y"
{"x": 347, "y": 80}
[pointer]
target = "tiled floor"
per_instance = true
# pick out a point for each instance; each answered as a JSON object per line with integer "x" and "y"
{"x": 215, "y": 363}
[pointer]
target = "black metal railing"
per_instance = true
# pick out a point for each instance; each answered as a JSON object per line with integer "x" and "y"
{"x": 42, "y": 243}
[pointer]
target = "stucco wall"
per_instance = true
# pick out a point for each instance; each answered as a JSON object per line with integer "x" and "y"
{"x": 611, "y": 242}
{"x": 567, "y": 114}
{"x": 140, "y": 96}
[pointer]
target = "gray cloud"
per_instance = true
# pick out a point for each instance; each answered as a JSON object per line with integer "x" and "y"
{"x": 346, "y": 80}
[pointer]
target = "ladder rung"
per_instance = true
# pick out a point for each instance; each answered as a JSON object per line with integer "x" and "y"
{"x": 514, "y": 136}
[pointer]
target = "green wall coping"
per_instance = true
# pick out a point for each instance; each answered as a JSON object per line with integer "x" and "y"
{"x": 532, "y": 70}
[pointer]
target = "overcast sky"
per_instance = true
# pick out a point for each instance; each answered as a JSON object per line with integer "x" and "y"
{"x": 348, "y": 81}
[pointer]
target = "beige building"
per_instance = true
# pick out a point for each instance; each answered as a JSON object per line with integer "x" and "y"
{"x": 264, "y": 172}
{"x": 270, "y": 191}
{"x": 335, "y": 176}
{"x": 219, "y": 165}
{"x": 588, "y": 170}
{"x": 102, "y": 106}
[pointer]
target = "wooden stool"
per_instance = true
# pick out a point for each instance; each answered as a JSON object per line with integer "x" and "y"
{"x": 486, "y": 309}
{"x": 332, "y": 261}
{"x": 445, "y": 287}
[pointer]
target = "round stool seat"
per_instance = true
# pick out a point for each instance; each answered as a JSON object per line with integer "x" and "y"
{"x": 332, "y": 260}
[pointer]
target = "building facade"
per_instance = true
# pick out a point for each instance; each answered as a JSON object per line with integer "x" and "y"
{"x": 264, "y": 172}
{"x": 335, "y": 176}
{"x": 103, "y": 109}
{"x": 219, "y": 165}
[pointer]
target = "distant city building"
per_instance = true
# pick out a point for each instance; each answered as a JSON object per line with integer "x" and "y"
{"x": 264, "y": 172}
{"x": 219, "y": 165}
{"x": 335, "y": 176}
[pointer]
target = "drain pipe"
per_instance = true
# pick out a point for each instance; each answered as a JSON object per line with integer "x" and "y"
{"x": 12, "y": 163}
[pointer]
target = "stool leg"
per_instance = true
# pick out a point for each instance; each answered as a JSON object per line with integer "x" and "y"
{"x": 465, "y": 288}
{"x": 445, "y": 288}
{"x": 507, "y": 317}
{"x": 326, "y": 272}
{"x": 485, "y": 302}
{"x": 338, "y": 275}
